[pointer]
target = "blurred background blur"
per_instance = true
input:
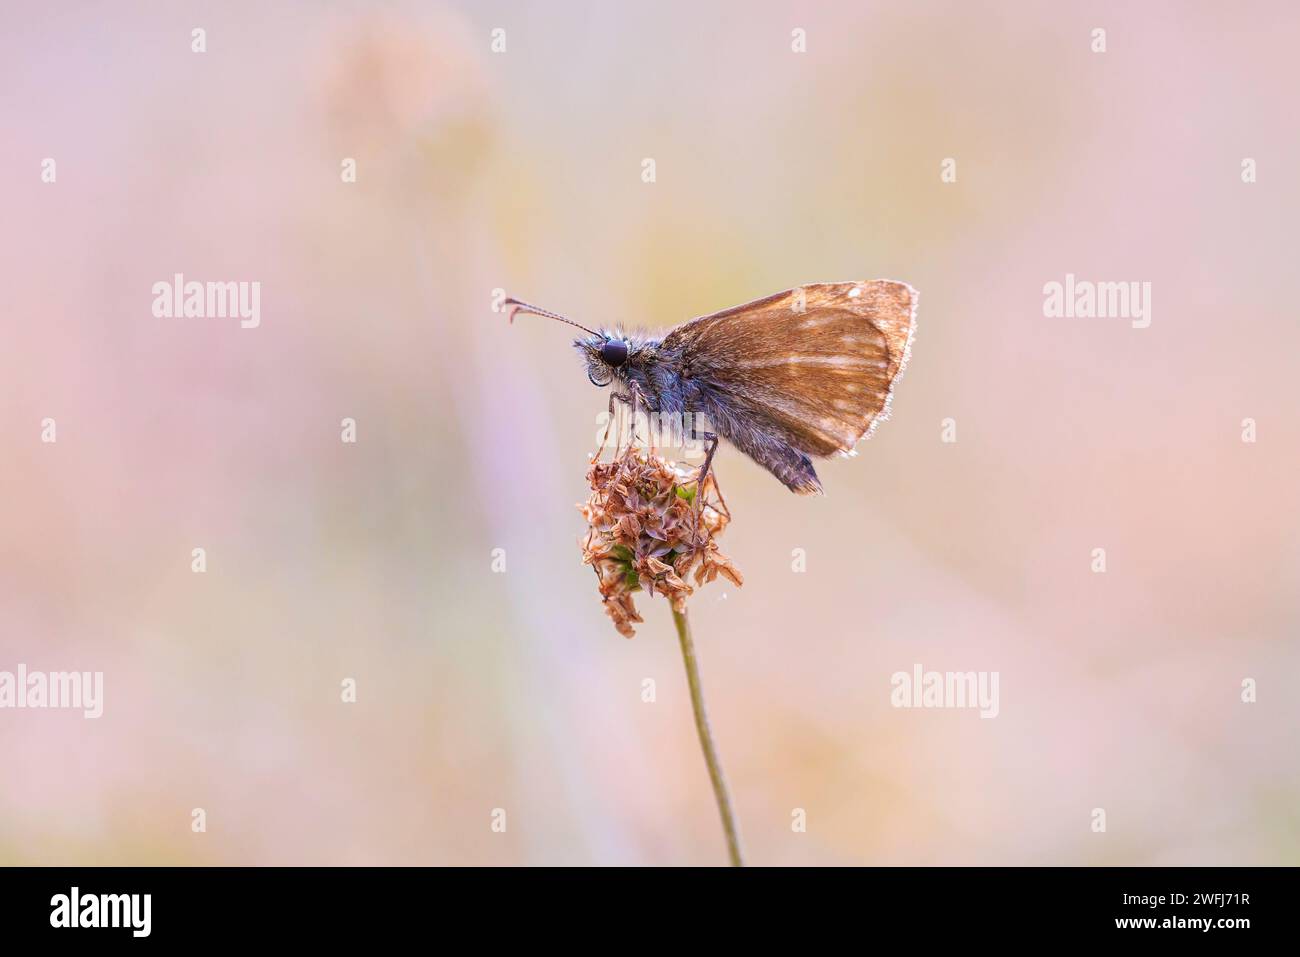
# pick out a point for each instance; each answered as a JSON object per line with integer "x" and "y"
{"x": 522, "y": 170}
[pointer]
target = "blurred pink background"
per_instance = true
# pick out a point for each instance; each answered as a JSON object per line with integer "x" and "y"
{"x": 521, "y": 171}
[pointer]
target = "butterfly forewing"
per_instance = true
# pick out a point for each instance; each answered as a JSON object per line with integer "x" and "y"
{"x": 819, "y": 362}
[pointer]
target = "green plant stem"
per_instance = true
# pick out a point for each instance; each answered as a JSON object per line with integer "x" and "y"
{"x": 706, "y": 740}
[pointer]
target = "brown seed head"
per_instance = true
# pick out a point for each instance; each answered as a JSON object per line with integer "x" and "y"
{"x": 650, "y": 527}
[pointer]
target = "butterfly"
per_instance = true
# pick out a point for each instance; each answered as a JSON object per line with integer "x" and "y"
{"x": 801, "y": 374}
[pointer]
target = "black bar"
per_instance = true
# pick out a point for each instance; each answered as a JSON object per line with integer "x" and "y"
{"x": 365, "y": 905}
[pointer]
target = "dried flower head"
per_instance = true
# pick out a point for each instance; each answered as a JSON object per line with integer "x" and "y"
{"x": 650, "y": 527}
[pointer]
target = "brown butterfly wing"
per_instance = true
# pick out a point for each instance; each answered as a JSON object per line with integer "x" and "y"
{"x": 818, "y": 362}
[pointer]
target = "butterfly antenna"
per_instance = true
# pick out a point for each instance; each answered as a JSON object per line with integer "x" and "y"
{"x": 517, "y": 306}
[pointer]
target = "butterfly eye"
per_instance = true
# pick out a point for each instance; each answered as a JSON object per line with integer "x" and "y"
{"x": 614, "y": 352}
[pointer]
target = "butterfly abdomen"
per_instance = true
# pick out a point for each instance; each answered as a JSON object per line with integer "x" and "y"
{"x": 795, "y": 470}
{"x": 756, "y": 437}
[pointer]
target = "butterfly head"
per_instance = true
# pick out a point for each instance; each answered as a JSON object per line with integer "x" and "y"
{"x": 607, "y": 353}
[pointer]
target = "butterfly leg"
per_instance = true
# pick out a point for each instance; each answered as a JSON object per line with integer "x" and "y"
{"x": 618, "y": 397}
{"x": 634, "y": 402}
{"x": 609, "y": 422}
{"x": 711, "y": 439}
